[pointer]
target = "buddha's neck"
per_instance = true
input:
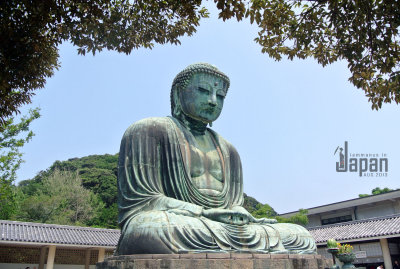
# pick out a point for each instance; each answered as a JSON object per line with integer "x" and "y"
{"x": 195, "y": 126}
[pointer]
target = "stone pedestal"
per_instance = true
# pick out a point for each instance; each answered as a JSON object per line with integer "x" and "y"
{"x": 215, "y": 261}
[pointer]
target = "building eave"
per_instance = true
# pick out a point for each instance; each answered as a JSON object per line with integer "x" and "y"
{"x": 392, "y": 195}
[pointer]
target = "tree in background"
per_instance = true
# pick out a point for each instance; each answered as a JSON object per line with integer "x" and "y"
{"x": 31, "y": 30}
{"x": 99, "y": 176}
{"x": 251, "y": 204}
{"x": 376, "y": 191}
{"x": 259, "y": 210}
{"x": 265, "y": 211}
{"x": 364, "y": 33}
{"x": 61, "y": 199}
{"x": 299, "y": 218}
{"x": 12, "y": 137}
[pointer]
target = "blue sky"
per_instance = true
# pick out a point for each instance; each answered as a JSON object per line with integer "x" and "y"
{"x": 285, "y": 118}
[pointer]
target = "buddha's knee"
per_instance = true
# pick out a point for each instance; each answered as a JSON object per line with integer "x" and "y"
{"x": 145, "y": 233}
{"x": 289, "y": 229}
{"x": 296, "y": 238}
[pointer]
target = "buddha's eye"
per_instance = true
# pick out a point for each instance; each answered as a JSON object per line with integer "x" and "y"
{"x": 203, "y": 90}
{"x": 220, "y": 96}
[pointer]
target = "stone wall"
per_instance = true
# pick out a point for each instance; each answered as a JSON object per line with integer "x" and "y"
{"x": 215, "y": 261}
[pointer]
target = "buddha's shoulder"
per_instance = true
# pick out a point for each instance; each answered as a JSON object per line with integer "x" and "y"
{"x": 150, "y": 125}
{"x": 224, "y": 142}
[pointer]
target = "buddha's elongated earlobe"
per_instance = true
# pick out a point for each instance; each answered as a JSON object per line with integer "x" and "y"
{"x": 210, "y": 123}
{"x": 177, "y": 110}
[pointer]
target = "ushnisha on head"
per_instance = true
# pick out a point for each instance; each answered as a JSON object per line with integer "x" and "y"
{"x": 198, "y": 93}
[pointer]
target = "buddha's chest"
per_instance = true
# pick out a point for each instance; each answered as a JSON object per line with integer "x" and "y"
{"x": 206, "y": 167}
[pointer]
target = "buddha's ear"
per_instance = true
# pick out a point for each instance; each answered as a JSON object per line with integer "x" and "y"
{"x": 176, "y": 101}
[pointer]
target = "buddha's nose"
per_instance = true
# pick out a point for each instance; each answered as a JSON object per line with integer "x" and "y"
{"x": 212, "y": 100}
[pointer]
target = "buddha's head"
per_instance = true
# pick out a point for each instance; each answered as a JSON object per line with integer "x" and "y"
{"x": 198, "y": 92}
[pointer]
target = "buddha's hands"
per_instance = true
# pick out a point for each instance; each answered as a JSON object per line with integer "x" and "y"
{"x": 237, "y": 216}
{"x": 264, "y": 221}
{"x": 228, "y": 216}
{"x": 253, "y": 219}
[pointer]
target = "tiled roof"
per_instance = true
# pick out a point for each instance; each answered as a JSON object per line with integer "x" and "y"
{"x": 15, "y": 231}
{"x": 359, "y": 229}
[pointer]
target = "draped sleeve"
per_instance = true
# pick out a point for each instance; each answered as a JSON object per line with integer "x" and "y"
{"x": 147, "y": 159}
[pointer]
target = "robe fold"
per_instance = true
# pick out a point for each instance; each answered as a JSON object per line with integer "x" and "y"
{"x": 160, "y": 208}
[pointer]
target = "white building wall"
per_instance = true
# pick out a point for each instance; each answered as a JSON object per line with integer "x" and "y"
{"x": 378, "y": 210}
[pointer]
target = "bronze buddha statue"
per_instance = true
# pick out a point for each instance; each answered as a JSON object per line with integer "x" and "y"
{"x": 180, "y": 186}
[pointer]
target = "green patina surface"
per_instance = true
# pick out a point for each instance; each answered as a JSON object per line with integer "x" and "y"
{"x": 180, "y": 183}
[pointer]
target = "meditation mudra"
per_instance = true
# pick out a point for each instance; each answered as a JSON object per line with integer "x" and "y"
{"x": 180, "y": 186}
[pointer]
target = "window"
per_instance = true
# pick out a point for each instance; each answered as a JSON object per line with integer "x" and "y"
{"x": 336, "y": 220}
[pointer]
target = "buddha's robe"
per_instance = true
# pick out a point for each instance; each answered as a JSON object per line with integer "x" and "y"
{"x": 160, "y": 208}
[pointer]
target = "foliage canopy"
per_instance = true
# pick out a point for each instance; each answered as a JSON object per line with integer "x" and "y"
{"x": 259, "y": 210}
{"x": 32, "y": 30}
{"x": 299, "y": 218}
{"x": 365, "y": 33}
{"x": 62, "y": 199}
{"x": 13, "y": 136}
{"x": 376, "y": 191}
{"x": 93, "y": 179}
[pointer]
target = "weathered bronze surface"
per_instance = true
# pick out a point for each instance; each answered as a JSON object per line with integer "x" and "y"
{"x": 180, "y": 183}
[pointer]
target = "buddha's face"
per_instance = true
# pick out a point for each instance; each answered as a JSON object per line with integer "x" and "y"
{"x": 203, "y": 97}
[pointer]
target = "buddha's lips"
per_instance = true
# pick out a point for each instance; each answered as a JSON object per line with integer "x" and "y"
{"x": 210, "y": 109}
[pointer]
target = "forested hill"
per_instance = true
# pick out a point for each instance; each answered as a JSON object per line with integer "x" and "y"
{"x": 92, "y": 180}
{"x": 83, "y": 191}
